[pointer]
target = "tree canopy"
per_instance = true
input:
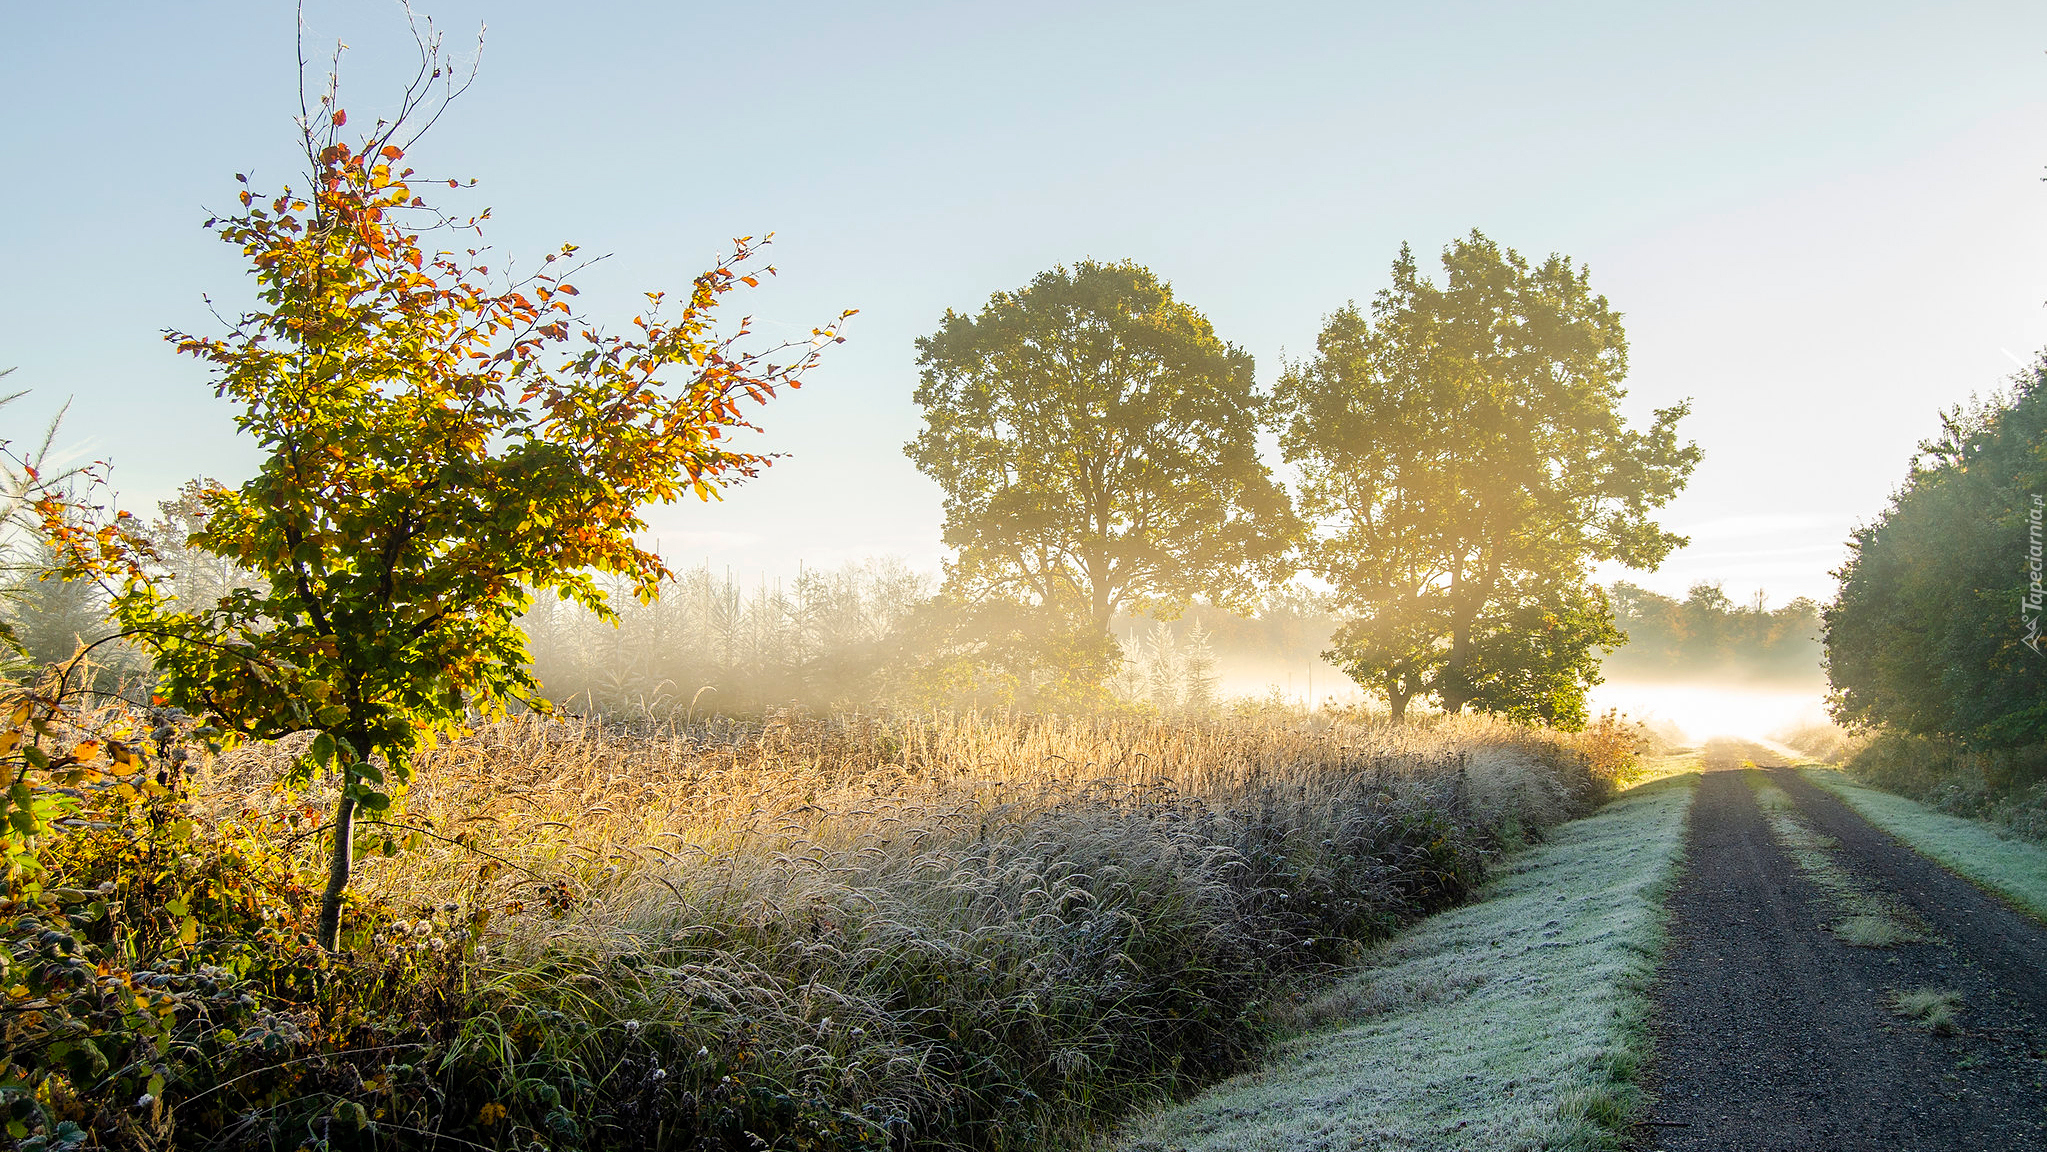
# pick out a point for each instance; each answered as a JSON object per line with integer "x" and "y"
{"x": 1097, "y": 446}
{"x": 1462, "y": 449}
{"x": 1935, "y": 630}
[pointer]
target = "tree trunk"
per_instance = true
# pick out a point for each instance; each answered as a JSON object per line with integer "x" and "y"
{"x": 1396, "y": 703}
{"x": 1104, "y": 614}
{"x": 338, "y": 867}
{"x": 1453, "y": 686}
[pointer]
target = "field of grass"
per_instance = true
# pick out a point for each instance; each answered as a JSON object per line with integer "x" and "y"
{"x": 2010, "y": 867}
{"x": 1514, "y": 1022}
{"x": 810, "y": 933}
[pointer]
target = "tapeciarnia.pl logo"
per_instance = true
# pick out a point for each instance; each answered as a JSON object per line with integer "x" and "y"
{"x": 2036, "y": 565}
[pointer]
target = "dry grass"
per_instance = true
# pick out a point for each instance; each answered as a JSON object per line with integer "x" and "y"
{"x": 952, "y": 931}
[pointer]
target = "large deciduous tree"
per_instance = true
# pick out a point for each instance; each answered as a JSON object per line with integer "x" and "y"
{"x": 1936, "y": 629}
{"x": 1462, "y": 449}
{"x": 440, "y": 444}
{"x": 1097, "y": 446}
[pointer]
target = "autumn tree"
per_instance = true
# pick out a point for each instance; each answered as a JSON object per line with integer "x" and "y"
{"x": 1462, "y": 448}
{"x": 1097, "y": 446}
{"x": 441, "y": 444}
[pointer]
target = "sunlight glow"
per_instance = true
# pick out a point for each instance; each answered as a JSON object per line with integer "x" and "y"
{"x": 1705, "y": 710}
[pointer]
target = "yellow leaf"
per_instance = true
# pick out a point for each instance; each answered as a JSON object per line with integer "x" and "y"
{"x": 189, "y": 933}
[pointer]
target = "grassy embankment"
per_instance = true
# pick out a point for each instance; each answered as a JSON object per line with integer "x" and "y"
{"x": 1982, "y": 815}
{"x": 1515, "y": 1022}
{"x": 1985, "y": 854}
{"x": 2003, "y": 787}
{"x": 836, "y": 933}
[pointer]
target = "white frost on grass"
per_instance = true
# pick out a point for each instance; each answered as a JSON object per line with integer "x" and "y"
{"x": 1971, "y": 848}
{"x": 1515, "y": 1022}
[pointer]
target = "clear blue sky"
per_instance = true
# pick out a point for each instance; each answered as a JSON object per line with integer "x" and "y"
{"x": 1824, "y": 222}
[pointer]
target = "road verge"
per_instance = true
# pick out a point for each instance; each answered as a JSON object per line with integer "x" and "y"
{"x": 1515, "y": 1022}
{"x": 1972, "y": 849}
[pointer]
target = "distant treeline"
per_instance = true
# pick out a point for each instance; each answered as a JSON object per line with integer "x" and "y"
{"x": 1708, "y": 634}
{"x": 716, "y": 643}
{"x": 877, "y": 632}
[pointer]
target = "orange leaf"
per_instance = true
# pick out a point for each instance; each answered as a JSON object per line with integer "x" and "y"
{"x": 340, "y": 117}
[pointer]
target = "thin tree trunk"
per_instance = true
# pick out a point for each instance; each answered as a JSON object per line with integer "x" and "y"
{"x": 338, "y": 867}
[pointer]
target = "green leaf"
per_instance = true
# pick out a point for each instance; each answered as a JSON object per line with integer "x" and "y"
{"x": 323, "y": 751}
{"x": 85, "y": 1062}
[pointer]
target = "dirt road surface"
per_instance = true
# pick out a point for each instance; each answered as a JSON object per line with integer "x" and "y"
{"x": 1772, "y": 1034}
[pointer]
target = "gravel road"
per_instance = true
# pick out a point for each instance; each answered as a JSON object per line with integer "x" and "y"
{"x": 1773, "y": 1034}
